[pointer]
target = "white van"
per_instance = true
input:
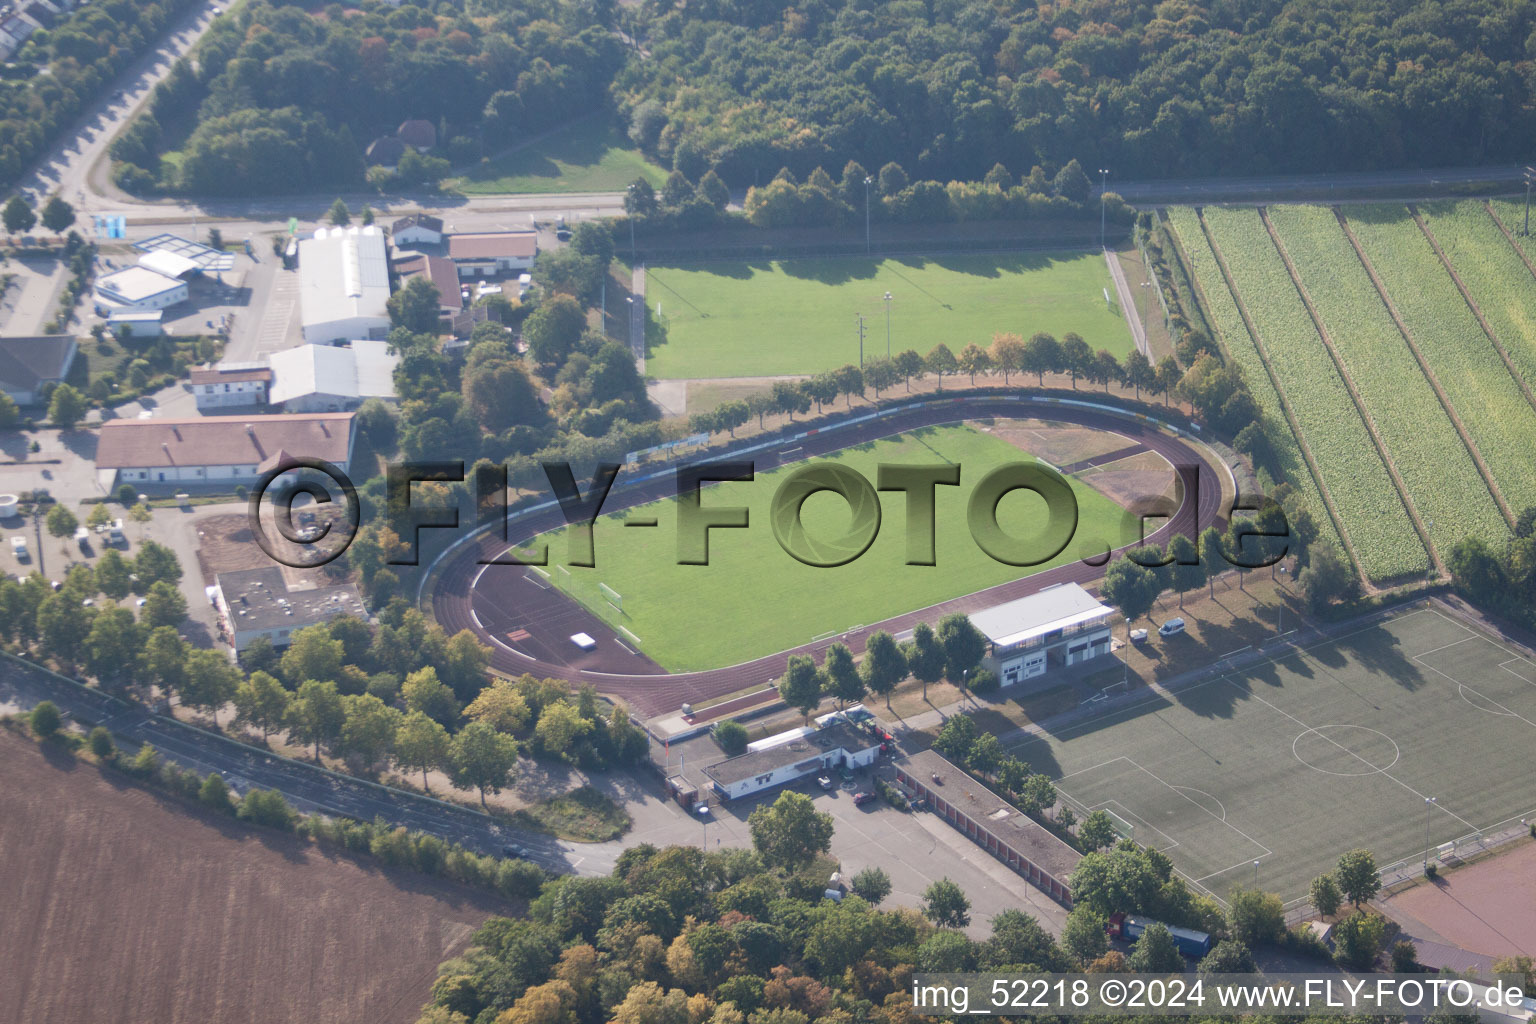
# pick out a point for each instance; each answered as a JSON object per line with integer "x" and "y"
{"x": 1171, "y": 628}
{"x": 115, "y": 532}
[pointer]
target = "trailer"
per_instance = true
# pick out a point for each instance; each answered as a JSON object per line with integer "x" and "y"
{"x": 1130, "y": 927}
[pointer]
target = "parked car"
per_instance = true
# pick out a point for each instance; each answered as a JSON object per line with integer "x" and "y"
{"x": 1171, "y": 628}
{"x": 19, "y": 548}
{"x": 862, "y": 798}
{"x": 1138, "y": 636}
{"x": 825, "y": 782}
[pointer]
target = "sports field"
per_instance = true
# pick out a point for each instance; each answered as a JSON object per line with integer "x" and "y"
{"x": 1328, "y": 749}
{"x": 753, "y": 599}
{"x": 755, "y": 319}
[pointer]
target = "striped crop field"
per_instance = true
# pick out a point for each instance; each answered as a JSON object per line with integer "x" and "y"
{"x": 1363, "y": 492}
{"x": 1498, "y": 281}
{"x": 1239, "y": 346}
{"x": 1418, "y": 436}
{"x": 1490, "y": 404}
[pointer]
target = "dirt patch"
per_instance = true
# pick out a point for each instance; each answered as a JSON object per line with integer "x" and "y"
{"x": 1488, "y": 907}
{"x": 1133, "y": 481}
{"x": 706, "y": 396}
{"x": 225, "y": 543}
{"x": 122, "y": 905}
{"x": 1060, "y": 444}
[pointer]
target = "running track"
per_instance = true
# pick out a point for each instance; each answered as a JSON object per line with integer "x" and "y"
{"x": 501, "y": 602}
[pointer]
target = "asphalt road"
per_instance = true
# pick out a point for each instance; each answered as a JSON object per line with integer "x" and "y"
{"x": 495, "y": 601}
{"x": 307, "y": 787}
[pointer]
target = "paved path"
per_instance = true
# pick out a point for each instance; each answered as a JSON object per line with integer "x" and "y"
{"x": 1128, "y": 304}
{"x": 637, "y": 317}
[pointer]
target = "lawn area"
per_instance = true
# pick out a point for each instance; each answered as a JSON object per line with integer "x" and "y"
{"x": 588, "y": 156}
{"x": 583, "y": 816}
{"x": 762, "y": 318}
{"x": 753, "y": 599}
{"x": 1267, "y": 776}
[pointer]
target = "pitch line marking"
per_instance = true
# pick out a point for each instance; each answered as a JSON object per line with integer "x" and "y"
{"x": 1384, "y": 774}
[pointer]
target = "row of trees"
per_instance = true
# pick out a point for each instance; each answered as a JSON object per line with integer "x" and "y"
{"x": 1500, "y": 577}
{"x": 1008, "y": 354}
{"x": 72, "y": 64}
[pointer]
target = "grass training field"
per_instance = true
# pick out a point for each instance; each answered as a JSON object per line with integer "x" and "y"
{"x": 753, "y": 599}
{"x": 1316, "y": 753}
{"x": 763, "y": 318}
{"x": 588, "y": 156}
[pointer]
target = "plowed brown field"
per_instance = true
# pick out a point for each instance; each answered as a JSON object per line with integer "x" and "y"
{"x": 118, "y": 904}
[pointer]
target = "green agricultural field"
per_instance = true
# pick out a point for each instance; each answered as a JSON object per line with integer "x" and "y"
{"x": 1372, "y": 512}
{"x": 1239, "y": 345}
{"x": 753, "y": 599}
{"x": 1493, "y": 272}
{"x": 1490, "y": 404}
{"x": 752, "y": 319}
{"x": 1419, "y": 437}
{"x": 588, "y": 156}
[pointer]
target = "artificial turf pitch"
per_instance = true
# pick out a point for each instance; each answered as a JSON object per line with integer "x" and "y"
{"x": 753, "y": 599}
{"x": 1325, "y": 750}
{"x": 763, "y": 318}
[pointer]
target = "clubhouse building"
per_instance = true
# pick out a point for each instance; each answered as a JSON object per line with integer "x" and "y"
{"x": 1060, "y": 626}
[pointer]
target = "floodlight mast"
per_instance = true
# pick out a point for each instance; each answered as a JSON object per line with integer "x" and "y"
{"x": 1530, "y": 176}
{"x": 1103, "y": 176}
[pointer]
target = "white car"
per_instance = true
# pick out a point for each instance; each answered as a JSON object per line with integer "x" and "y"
{"x": 825, "y": 782}
{"x": 19, "y": 547}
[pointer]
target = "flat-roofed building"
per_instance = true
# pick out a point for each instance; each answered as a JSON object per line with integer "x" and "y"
{"x": 257, "y": 603}
{"x": 793, "y": 755}
{"x": 1062, "y": 625}
{"x": 997, "y": 826}
{"x": 139, "y": 288}
{"x": 344, "y": 285}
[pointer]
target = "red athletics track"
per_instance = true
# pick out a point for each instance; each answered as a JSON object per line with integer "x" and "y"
{"x": 528, "y": 626}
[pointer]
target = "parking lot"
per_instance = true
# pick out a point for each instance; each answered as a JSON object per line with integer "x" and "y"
{"x": 916, "y": 848}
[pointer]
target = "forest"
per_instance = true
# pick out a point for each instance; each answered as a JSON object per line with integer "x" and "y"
{"x": 284, "y": 96}
{"x": 1150, "y": 90}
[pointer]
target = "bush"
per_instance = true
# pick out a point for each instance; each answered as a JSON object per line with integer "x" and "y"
{"x": 127, "y": 495}
{"x": 267, "y": 807}
{"x": 215, "y": 794}
{"x": 101, "y": 744}
{"x": 732, "y": 737}
{"x": 146, "y": 761}
{"x": 45, "y": 719}
{"x": 891, "y": 795}
{"x": 1431, "y": 870}
{"x": 983, "y": 681}
{"x": 1405, "y": 957}
{"x": 520, "y": 878}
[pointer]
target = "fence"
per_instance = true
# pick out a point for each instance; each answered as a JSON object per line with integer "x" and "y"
{"x": 1157, "y": 284}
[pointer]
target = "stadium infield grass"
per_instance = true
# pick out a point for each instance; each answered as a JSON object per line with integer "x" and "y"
{"x": 753, "y": 599}
{"x": 766, "y": 318}
{"x": 1316, "y": 753}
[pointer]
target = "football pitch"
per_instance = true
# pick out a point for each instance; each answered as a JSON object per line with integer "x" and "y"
{"x": 1265, "y": 777}
{"x": 761, "y": 318}
{"x": 753, "y": 599}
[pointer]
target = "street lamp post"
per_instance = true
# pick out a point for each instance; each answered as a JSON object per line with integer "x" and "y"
{"x": 1429, "y": 803}
{"x": 630, "y": 216}
{"x": 868, "y": 181}
{"x": 860, "y": 317}
{"x": 1255, "y": 874}
{"x": 887, "y": 325}
{"x": 1125, "y": 662}
{"x": 1530, "y": 176}
{"x": 1103, "y": 176}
